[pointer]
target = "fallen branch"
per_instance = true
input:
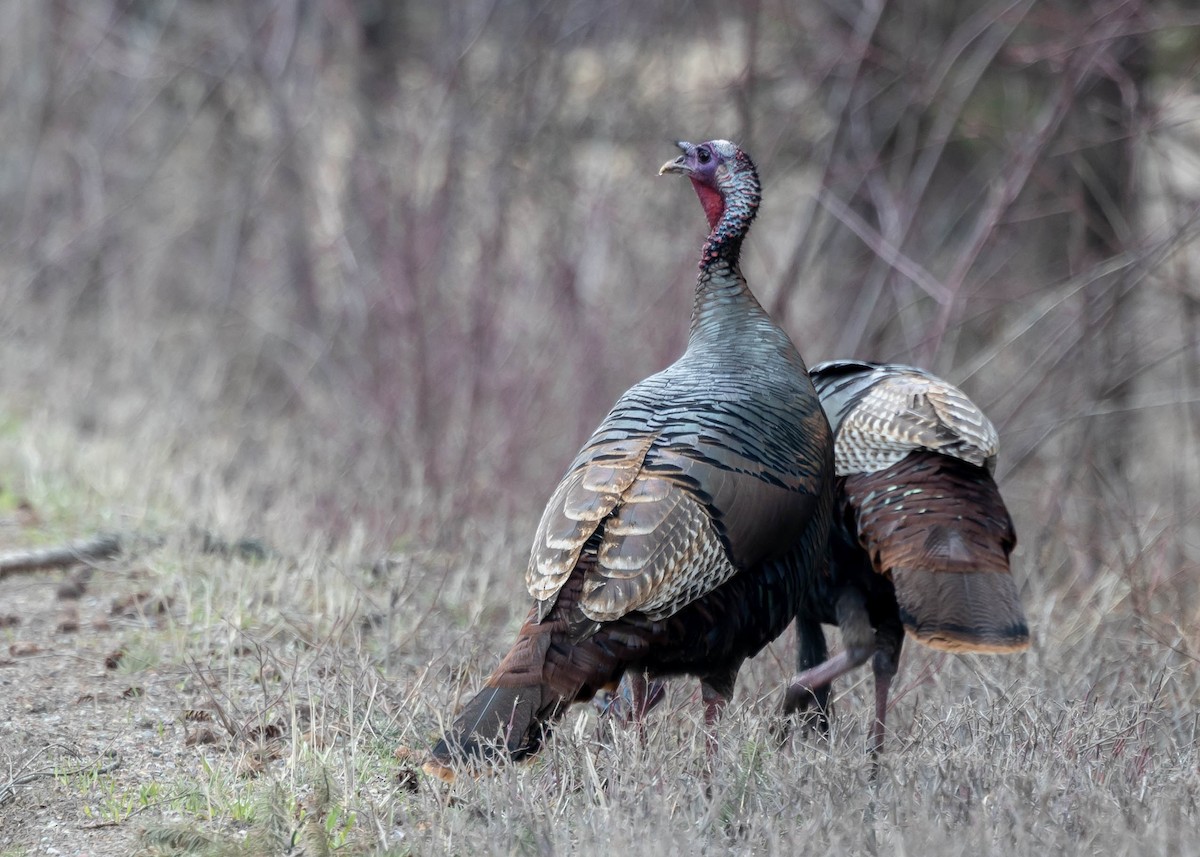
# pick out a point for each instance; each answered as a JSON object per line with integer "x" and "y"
{"x": 104, "y": 546}
{"x": 108, "y": 545}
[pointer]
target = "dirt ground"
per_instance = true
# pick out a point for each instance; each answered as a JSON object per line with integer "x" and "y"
{"x": 123, "y": 721}
{"x": 76, "y": 712}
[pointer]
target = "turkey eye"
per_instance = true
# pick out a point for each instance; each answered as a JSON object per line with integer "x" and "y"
{"x": 703, "y": 156}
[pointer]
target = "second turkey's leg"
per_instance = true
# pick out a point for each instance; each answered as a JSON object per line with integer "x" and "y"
{"x": 811, "y": 650}
{"x": 889, "y": 641}
{"x": 858, "y": 639}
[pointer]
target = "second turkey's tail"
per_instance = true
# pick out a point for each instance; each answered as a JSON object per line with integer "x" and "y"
{"x": 939, "y": 527}
{"x": 961, "y": 611}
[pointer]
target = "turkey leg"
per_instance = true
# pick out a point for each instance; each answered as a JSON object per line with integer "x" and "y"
{"x": 858, "y": 637}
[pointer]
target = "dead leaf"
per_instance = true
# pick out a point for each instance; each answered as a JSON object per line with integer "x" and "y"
{"x": 74, "y": 586}
{"x": 264, "y": 733}
{"x": 113, "y": 660}
{"x": 251, "y": 765}
{"x": 255, "y": 761}
{"x": 408, "y": 754}
{"x": 23, "y": 648}
{"x": 200, "y": 736}
{"x": 407, "y": 779}
{"x": 68, "y": 623}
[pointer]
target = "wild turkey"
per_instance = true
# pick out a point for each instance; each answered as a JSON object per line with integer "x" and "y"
{"x": 920, "y": 538}
{"x": 683, "y": 533}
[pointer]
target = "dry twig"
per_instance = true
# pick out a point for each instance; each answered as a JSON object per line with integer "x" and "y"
{"x": 103, "y": 546}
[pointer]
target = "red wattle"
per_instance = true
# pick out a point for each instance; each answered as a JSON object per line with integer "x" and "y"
{"x": 713, "y": 202}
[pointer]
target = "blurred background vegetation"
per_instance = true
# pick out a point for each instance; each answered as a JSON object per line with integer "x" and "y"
{"x": 320, "y": 269}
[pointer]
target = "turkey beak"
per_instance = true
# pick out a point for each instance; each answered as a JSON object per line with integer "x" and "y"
{"x": 680, "y": 164}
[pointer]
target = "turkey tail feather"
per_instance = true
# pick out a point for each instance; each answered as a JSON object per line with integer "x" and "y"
{"x": 939, "y": 528}
{"x": 507, "y": 715}
{"x": 498, "y": 720}
{"x": 544, "y": 672}
{"x": 961, "y": 611}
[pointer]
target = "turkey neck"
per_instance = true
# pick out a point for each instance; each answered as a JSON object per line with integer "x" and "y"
{"x": 724, "y": 304}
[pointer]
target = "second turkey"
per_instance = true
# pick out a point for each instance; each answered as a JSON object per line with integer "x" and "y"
{"x": 921, "y": 537}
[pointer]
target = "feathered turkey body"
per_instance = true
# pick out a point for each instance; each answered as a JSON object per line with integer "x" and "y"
{"x": 920, "y": 539}
{"x": 684, "y": 532}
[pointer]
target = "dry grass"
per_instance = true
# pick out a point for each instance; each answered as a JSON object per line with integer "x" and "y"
{"x": 359, "y": 287}
{"x": 228, "y": 695}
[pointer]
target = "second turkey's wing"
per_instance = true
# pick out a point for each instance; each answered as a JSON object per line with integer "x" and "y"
{"x": 908, "y": 410}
